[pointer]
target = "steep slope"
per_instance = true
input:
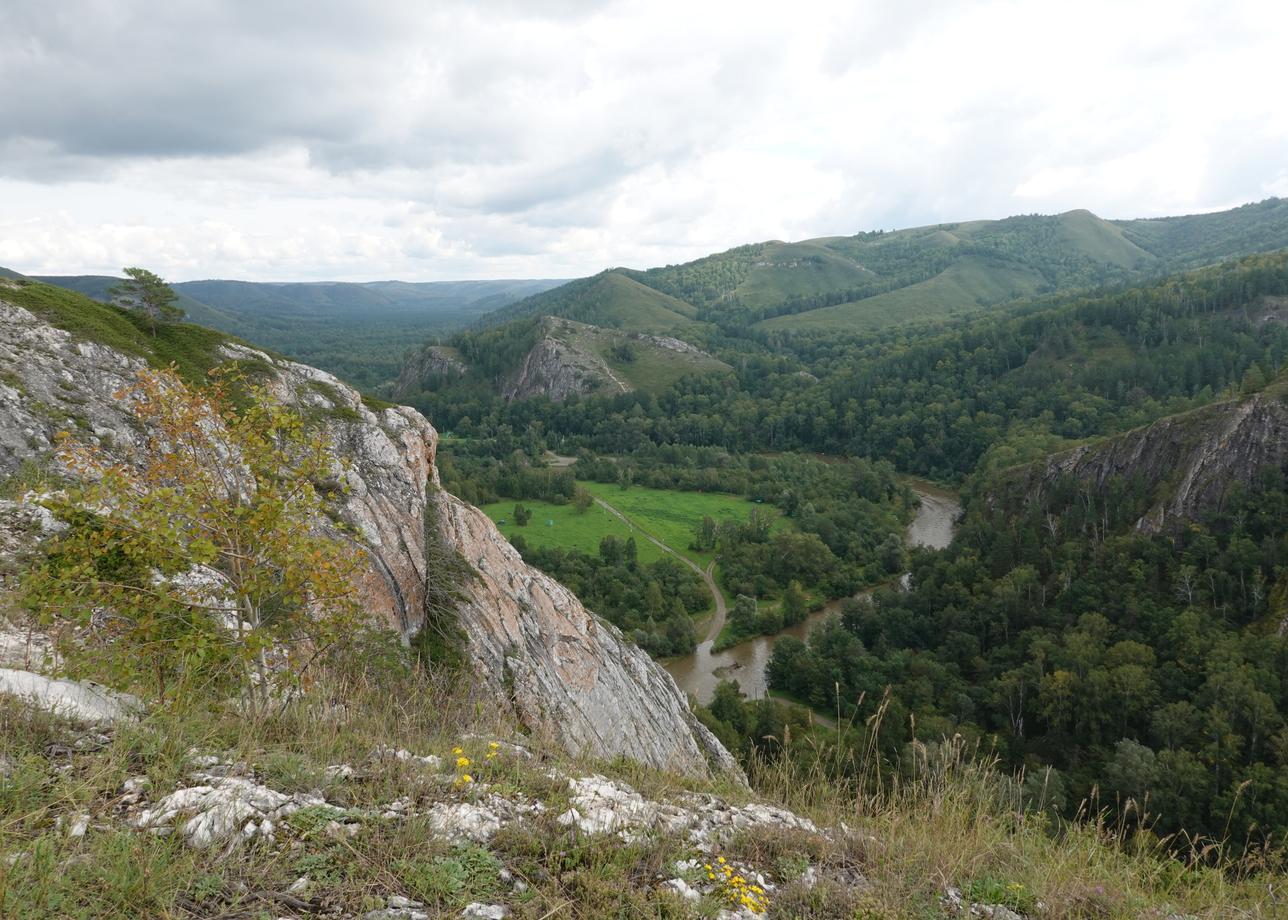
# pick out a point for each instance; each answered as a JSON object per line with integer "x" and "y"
{"x": 567, "y": 675}
{"x": 610, "y": 299}
{"x": 1182, "y": 467}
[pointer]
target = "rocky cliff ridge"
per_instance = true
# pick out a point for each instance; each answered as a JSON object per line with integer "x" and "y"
{"x": 566, "y": 674}
{"x": 1188, "y": 462}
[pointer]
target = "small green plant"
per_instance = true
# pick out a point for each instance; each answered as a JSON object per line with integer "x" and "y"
{"x": 469, "y": 873}
{"x": 995, "y": 891}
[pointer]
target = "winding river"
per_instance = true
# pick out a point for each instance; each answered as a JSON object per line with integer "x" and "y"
{"x": 698, "y": 674}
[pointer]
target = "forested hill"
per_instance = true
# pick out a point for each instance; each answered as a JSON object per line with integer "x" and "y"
{"x": 873, "y": 280}
{"x": 995, "y": 389}
{"x": 1116, "y": 613}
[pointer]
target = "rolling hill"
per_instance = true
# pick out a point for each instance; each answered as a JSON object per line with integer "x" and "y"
{"x": 613, "y": 299}
{"x": 555, "y": 357}
{"x": 872, "y": 280}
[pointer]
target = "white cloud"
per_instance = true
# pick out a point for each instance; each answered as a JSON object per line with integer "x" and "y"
{"x": 501, "y": 139}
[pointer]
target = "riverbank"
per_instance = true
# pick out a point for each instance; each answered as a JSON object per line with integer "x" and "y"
{"x": 699, "y": 673}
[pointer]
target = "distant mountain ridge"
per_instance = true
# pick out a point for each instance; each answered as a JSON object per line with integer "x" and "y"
{"x": 358, "y": 330}
{"x": 872, "y": 280}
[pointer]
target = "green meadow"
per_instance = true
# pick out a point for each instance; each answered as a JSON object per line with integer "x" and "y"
{"x": 672, "y": 516}
{"x": 569, "y": 530}
{"x": 669, "y": 516}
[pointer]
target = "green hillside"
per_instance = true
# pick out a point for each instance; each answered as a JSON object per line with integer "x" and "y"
{"x": 970, "y": 284}
{"x": 1200, "y": 239}
{"x": 877, "y": 279}
{"x": 9, "y": 273}
{"x": 611, "y": 299}
{"x": 99, "y": 288}
{"x": 639, "y": 360}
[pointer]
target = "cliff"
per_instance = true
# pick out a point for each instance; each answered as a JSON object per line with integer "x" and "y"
{"x": 1186, "y": 463}
{"x": 421, "y": 367}
{"x": 568, "y": 676}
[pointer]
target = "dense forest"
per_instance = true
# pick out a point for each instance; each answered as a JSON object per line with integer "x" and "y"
{"x": 935, "y": 400}
{"x": 1151, "y": 667}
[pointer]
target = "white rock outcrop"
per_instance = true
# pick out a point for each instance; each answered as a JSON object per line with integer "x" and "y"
{"x": 83, "y": 701}
{"x": 567, "y": 675}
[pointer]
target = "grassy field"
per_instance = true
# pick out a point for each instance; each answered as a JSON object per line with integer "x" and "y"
{"x": 672, "y": 516}
{"x": 570, "y": 531}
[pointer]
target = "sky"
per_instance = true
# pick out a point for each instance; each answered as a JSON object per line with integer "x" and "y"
{"x": 434, "y": 140}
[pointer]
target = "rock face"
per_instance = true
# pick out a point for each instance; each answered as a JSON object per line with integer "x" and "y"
{"x": 1190, "y": 461}
{"x": 567, "y": 675}
{"x": 423, "y": 366}
{"x": 570, "y": 675}
{"x": 557, "y": 369}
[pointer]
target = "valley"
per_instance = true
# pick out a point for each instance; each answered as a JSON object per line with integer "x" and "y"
{"x": 726, "y": 469}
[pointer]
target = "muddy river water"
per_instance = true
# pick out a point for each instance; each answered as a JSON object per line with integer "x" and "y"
{"x": 698, "y": 674}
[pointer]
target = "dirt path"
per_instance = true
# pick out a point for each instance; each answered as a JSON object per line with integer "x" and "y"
{"x": 708, "y": 574}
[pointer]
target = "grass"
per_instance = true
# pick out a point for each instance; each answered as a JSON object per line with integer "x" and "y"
{"x": 571, "y": 531}
{"x": 192, "y": 349}
{"x": 671, "y": 516}
{"x": 949, "y": 820}
{"x": 964, "y": 286}
{"x": 652, "y": 367}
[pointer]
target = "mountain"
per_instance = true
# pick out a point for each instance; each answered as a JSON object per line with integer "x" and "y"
{"x": 355, "y": 330}
{"x": 1183, "y": 467}
{"x": 519, "y": 628}
{"x": 9, "y": 273}
{"x": 874, "y": 280}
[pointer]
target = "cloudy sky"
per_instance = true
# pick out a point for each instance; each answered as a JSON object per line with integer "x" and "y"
{"x": 431, "y": 139}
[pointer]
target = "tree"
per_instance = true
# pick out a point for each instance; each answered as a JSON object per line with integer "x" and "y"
{"x": 522, "y": 515}
{"x": 582, "y": 499}
{"x": 200, "y": 556}
{"x": 145, "y": 291}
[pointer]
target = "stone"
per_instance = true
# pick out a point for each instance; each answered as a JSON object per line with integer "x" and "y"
{"x": 478, "y": 911}
{"x": 223, "y": 809}
{"x": 83, "y": 701}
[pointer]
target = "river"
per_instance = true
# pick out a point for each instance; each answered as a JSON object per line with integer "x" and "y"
{"x": 698, "y": 674}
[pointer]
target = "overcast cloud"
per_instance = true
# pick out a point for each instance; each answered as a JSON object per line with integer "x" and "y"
{"x": 430, "y": 140}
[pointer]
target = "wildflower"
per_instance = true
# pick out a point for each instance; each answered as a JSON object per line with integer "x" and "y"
{"x": 458, "y": 751}
{"x": 462, "y": 762}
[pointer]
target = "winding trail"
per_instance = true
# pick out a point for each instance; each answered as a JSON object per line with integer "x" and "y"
{"x": 708, "y": 574}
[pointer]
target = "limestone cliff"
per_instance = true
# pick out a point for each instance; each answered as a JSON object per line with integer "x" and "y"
{"x": 1188, "y": 463}
{"x": 558, "y": 369}
{"x": 568, "y": 675}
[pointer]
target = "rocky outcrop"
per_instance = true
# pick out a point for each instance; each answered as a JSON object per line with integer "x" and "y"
{"x": 565, "y": 673}
{"x": 424, "y": 366}
{"x": 1187, "y": 462}
{"x": 557, "y": 369}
